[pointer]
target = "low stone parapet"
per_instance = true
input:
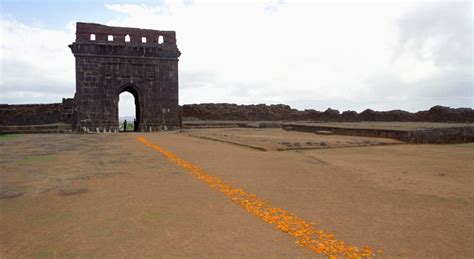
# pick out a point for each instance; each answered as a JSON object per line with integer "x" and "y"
{"x": 47, "y": 128}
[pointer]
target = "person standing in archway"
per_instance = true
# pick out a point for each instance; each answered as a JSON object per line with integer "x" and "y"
{"x": 125, "y": 126}
{"x": 135, "y": 126}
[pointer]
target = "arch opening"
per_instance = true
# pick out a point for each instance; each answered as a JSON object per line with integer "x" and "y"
{"x": 129, "y": 110}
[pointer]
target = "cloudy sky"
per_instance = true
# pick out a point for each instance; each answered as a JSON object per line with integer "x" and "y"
{"x": 347, "y": 55}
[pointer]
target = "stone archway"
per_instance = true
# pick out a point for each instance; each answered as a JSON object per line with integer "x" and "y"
{"x": 111, "y": 60}
{"x": 132, "y": 89}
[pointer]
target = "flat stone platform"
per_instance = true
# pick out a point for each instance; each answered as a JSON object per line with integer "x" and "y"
{"x": 411, "y": 132}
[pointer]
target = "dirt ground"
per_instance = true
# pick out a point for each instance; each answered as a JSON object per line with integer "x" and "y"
{"x": 108, "y": 195}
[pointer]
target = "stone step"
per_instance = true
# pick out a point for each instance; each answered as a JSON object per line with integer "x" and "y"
{"x": 47, "y": 128}
{"x": 324, "y": 132}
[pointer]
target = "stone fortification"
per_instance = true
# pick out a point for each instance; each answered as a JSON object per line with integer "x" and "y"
{"x": 280, "y": 112}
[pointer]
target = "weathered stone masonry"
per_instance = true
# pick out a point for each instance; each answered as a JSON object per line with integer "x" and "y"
{"x": 107, "y": 64}
{"x": 37, "y": 114}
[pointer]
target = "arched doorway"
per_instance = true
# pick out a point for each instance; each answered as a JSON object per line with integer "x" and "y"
{"x": 129, "y": 108}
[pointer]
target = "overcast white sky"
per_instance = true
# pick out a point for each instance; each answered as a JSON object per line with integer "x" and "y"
{"x": 345, "y": 55}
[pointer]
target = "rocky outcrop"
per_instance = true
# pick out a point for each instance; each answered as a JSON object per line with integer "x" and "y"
{"x": 281, "y": 112}
{"x": 446, "y": 114}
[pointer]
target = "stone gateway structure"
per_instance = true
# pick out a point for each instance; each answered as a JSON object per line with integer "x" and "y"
{"x": 111, "y": 60}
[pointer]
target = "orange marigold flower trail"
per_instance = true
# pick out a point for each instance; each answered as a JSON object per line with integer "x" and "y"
{"x": 305, "y": 232}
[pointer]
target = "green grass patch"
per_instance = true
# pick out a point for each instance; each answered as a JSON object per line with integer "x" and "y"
{"x": 31, "y": 159}
{"x": 130, "y": 126}
{"x": 44, "y": 253}
{"x": 7, "y": 137}
{"x": 463, "y": 145}
{"x": 55, "y": 218}
{"x": 20, "y": 203}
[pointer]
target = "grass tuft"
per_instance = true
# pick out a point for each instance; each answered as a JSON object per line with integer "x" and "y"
{"x": 30, "y": 159}
{"x": 7, "y": 137}
{"x": 45, "y": 253}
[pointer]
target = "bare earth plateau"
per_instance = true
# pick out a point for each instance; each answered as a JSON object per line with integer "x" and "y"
{"x": 108, "y": 195}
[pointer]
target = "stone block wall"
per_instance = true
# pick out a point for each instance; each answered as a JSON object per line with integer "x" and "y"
{"x": 448, "y": 135}
{"x": 37, "y": 114}
{"x": 102, "y": 79}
